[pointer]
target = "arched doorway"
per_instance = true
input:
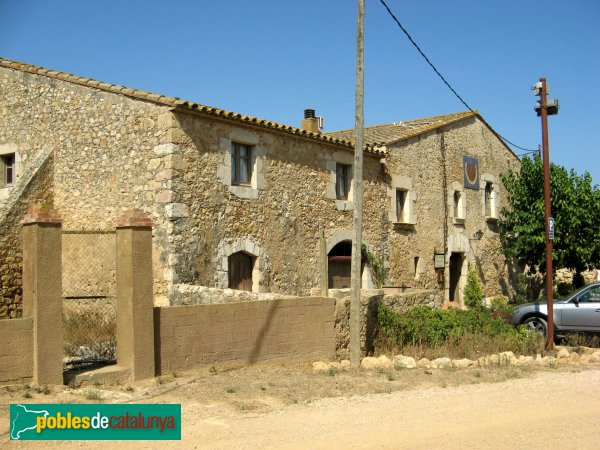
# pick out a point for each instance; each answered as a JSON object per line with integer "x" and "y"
{"x": 240, "y": 271}
{"x": 339, "y": 258}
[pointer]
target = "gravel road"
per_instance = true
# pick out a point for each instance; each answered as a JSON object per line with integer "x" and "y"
{"x": 548, "y": 409}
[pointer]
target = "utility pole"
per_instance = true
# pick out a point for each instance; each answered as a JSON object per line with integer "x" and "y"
{"x": 544, "y": 108}
{"x": 357, "y": 184}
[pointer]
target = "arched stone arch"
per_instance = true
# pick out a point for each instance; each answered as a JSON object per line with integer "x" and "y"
{"x": 228, "y": 247}
{"x": 340, "y": 236}
{"x": 346, "y": 235}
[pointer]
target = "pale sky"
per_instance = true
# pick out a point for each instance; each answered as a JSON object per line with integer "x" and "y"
{"x": 272, "y": 59}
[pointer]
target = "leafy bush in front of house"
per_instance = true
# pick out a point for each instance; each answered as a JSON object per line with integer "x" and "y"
{"x": 426, "y": 332}
{"x": 473, "y": 292}
{"x": 501, "y": 307}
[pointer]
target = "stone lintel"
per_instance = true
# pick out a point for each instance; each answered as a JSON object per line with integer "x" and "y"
{"x": 134, "y": 218}
{"x": 42, "y": 214}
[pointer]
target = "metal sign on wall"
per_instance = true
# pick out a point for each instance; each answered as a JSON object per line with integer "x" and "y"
{"x": 471, "y": 171}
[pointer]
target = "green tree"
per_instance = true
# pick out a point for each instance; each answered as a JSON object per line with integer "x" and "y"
{"x": 575, "y": 208}
{"x": 473, "y": 292}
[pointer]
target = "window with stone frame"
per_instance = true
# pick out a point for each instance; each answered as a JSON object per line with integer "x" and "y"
{"x": 342, "y": 180}
{"x": 241, "y": 164}
{"x": 458, "y": 205}
{"x": 7, "y": 170}
{"x": 490, "y": 200}
{"x": 402, "y": 205}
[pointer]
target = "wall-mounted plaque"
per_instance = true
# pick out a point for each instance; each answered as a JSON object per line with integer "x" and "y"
{"x": 471, "y": 170}
{"x": 439, "y": 261}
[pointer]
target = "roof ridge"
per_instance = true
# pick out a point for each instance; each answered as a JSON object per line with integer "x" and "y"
{"x": 389, "y": 133}
{"x": 181, "y": 105}
{"x": 462, "y": 114}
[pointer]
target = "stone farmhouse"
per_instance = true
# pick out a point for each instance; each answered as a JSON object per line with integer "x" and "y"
{"x": 239, "y": 202}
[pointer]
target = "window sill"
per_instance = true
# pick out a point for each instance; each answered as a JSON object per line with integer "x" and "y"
{"x": 245, "y": 192}
{"x": 458, "y": 221}
{"x": 403, "y": 225}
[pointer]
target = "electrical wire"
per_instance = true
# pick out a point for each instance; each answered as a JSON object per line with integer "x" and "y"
{"x": 526, "y": 150}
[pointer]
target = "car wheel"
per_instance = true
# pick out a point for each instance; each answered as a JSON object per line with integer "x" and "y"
{"x": 537, "y": 325}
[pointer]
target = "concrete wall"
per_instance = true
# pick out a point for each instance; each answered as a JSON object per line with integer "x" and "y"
{"x": 16, "y": 351}
{"x": 288, "y": 329}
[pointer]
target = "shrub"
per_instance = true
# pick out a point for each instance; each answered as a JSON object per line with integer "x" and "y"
{"x": 462, "y": 333}
{"x": 522, "y": 295}
{"x": 500, "y": 307}
{"x": 376, "y": 264}
{"x": 563, "y": 289}
{"x": 473, "y": 292}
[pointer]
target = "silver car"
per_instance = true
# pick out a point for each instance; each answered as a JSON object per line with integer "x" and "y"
{"x": 579, "y": 311}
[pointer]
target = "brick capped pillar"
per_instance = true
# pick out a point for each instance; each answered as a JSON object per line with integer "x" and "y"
{"x": 135, "y": 320}
{"x": 42, "y": 291}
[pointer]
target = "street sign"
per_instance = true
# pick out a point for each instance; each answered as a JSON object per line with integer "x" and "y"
{"x": 551, "y": 228}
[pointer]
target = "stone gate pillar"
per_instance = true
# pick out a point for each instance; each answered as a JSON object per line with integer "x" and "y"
{"x": 135, "y": 317}
{"x": 42, "y": 291}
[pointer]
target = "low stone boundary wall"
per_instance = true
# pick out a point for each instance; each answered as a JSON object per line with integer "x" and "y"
{"x": 16, "y": 350}
{"x": 190, "y": 294}
{"x": 275, "y": 330}
{"x": 404, "y": 301}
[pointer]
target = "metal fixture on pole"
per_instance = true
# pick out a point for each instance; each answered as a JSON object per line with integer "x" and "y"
{"x": 357, "y": 188}
{"x": 544, "y": 108}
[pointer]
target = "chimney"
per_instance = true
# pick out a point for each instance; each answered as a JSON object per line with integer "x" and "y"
{"x": 310, "y": 122}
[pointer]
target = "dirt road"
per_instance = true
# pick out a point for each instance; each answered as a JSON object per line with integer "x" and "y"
{"x": 258, "y": 408}
{"x": 550, "y": 410}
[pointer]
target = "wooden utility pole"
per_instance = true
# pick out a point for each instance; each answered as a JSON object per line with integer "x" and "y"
{"x": 545, "y": 108}
{"x": 547, "y": 213}
{"x": 357, "y": 186}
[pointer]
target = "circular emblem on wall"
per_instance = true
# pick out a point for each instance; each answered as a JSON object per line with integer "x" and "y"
{"x": 471, "y": 172}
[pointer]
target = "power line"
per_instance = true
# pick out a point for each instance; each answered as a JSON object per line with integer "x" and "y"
{"x": 527, "y": 150}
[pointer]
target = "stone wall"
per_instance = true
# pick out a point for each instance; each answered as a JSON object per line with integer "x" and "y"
{"x": 38, "y": 190}
{"x": 106, "y": 147}
{"x": 113, "y": 153}
{"x": 190, "y": 294}
{"x": 88, "y": 262}
{"x": 298, "y": 329}
{"x": 277, "y": 221}
{"x": 16, "y": 351}
{"x": 433, "y": 162}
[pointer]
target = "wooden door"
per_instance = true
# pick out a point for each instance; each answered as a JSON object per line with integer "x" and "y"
{"x": 339, "y": 272}
{"x": 240, "y": 271}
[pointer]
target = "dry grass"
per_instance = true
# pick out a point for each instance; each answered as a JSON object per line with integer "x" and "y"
{"x": 90, "y": 329}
